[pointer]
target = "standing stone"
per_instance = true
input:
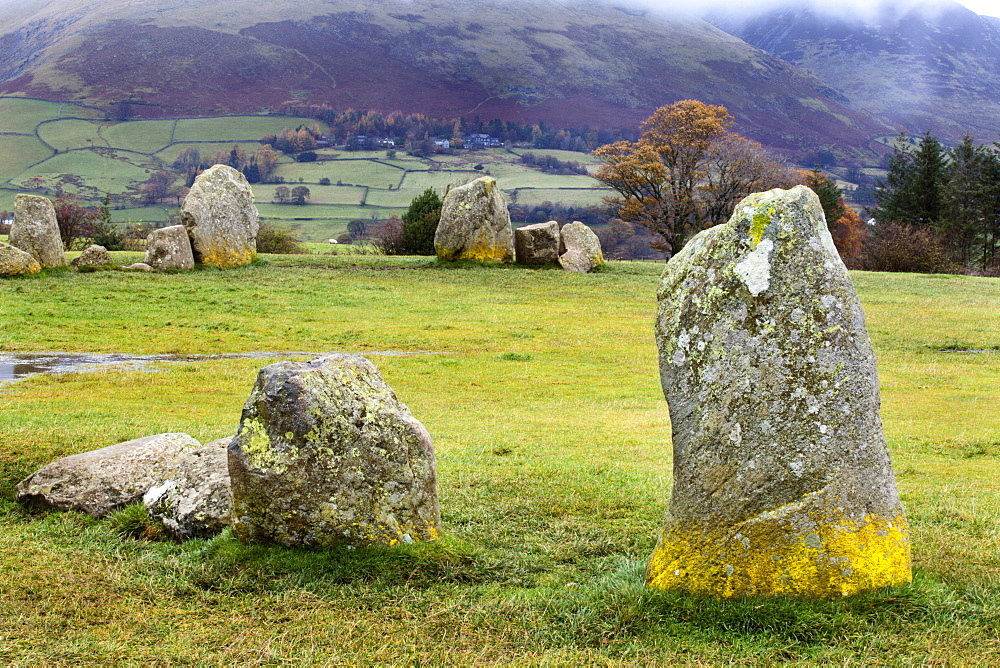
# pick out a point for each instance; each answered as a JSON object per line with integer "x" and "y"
{"x": 93, "y": 256}
{"x": 326, "y": 454}
{"x": 582, "y": 248}
{"x": 195, "y": 503}
{"x": 35, "y": 230}
{"x": 169, "y": 248}
{"x": 475, "y": 224}
{"x": 221, "y": 218}
{"x": 537, "y": 244}
{"x": 102, "y": 481}
{"x": 15, "y": 262}
{"x": 782, "y": 480}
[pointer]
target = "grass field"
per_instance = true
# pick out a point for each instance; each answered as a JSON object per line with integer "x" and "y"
{"x": 142, "y": 136}
{"x": 235, "y": 128}
{"x": 70, "y": 134}
{"x": 554, "y": 468}
{"x": 19, "y": 153}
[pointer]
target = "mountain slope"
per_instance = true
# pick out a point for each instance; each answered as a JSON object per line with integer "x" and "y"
{"x": 934, "y": 68}
{"x": 570, "y": 64}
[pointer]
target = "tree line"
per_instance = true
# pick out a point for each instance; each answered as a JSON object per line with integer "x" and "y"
{"x": 947, "y": 200}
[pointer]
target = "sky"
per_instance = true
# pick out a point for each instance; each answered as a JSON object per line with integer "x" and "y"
{"x": 984, "y": 7}
{"x": 836, "y": 7}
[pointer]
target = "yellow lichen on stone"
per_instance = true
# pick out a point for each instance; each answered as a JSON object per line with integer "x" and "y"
{"x": 483, "y": 252}
{"x": 227, "y": 258}
{"x": 760, "y": 222}
{"x": 829, "y": 559}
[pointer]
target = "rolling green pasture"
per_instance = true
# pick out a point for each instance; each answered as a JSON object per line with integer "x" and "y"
{"x": 235, "y": 128}
{"x": 141, "y": 136}
{"x": 23, "y": 115}
{"x": 19, "y": 153}
{"x": 554, "y": 468}
{"x": 170, "y": 153}
{"x": 106, "y": 172}
{"x": 357, "y": 172}
{"x": 70, "y": 134}
{"x": 581, "y": 197}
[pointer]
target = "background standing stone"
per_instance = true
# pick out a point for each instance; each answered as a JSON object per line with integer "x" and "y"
{"x": 582, "y": 248}
{"x": 537, "y": 244}
{"x": 36, "y": 231}
{"x": 475, "y": 224}
{"x": 782, "y": 480}
{"x": 326, "y": 454}
{"x": 169, "y": 248}
{"x": 221, "y": 218}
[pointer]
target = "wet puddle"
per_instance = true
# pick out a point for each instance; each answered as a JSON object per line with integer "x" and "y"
{"x": 15, "y": 366}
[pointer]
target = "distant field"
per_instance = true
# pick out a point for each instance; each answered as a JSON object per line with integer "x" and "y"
{"x": 170, "y": 153}
{"x": 101, "y": 172}
{"x": 142, "y": 136}
{"x": 582, "y": 197}
{"x": 235, "y": 127}
{"x": 70, "y": 134}
{"x": 19, "y": 153}
{"x": 20, "y": 115}
{"x": 264, "y": 193}
{"x": 356, "y": 172}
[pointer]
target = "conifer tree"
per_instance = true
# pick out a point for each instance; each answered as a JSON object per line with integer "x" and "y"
{"x": 420, "y": 223}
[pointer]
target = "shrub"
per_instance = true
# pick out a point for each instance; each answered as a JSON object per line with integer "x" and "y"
{"x": 898, "y": 247}
{"x": 306, "y": 156}
{"x": 345, "y": 238}
{"x": 278, "y": 240}
{"x": 389, "y": 236}
{"x": 420, "y": 224}
{"x": 325, "y": 181}
{"x": 76, "y": 221}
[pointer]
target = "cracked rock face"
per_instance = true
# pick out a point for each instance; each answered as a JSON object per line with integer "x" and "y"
{"x": 537, "y": 244}
{"x": 169, "y": 248}
{"x": 782, "y": 480}
{"x": 582, "y": 248}
{"x": 475, "y": 224}
{"x": 195, "y": 502}
{"x": 326, "y": 454}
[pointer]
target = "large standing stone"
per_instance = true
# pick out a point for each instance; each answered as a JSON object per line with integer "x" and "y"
{"x": 93, "y": 256}
{"x": 196, "y": 502}
{"x": 782, "y": 480}
{"x": 36, "y": 231}
{"x": 326, "y": 454}
{"x": 169, "y": 248}
{"x": 582, "y": 248}
{"x": 221, "y": 218}
{"x": 15, "y": 262}
{"x": 475, "y": 224}
{"x": 102, "y": 481}
{"x": 537, "y": 244}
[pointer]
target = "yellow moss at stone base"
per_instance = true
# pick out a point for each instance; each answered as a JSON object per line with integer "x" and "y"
{"x": 485, "y": 253}
{"x": 227, "y": 258}
{"x": 768, "y": 559}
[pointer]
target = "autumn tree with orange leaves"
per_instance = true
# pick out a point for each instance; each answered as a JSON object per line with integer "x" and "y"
{"x": 686, "y": 172}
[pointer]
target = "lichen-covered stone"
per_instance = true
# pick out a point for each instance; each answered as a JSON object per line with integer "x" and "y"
{"x": 782, "y": 480}
{"x": 582, "y": 248}
{"x": 221, "y": 218}
{"x": 15, "y": 262}
{"x": 169, "y": 248}
{"x": 93, "y": 256}
{"x": 36, "y": 231}
{"x": 475, "y": 224}
{"x": 102, "y": 481}
{"x": 326, "y": 454}
{"x": 195, "y": 503}
{"x": 537, "y": 244}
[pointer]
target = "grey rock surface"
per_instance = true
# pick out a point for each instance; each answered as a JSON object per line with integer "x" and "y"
{"x": 15, "y": 262}
{"x": 782, "y": 479}
{"x": 537, "y": 244}
{"x": 169, "y": 248}
{"x": 35, "y": 230}
{"x": 475, "y": 224}
{"x": 221, "y": 218}
{"x": 326, "y": 454}
{"x": 93, "y": 256}
{"x": 582, "y": 248}
{"x": 102, "y": 481}
{"x": 139, "y": 266}
{"x": 195, "y": 503}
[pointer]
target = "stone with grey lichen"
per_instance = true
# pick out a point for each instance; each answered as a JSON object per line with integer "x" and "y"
{"x": 327, "y": 455}
{"x": 782, "y": 479}
{"x": 475, "y": 224}
{"x": 169, "y": 248}
{"x": 93, "y": 256}
{"x": 15, "y": 262}
{"x": 581, "y": 249}
{"x": 195, "y": 502}
{"x": 537, "y": 244}
{"x": 36, "y": 231}
{"x": 221, "y": 218}
{"x": 101, "y": 481}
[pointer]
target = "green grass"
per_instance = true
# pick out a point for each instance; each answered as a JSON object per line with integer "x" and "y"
{"x": 142, "y": 136}
{"x": 235, "y": 128}
{"x": 70, "y": 134}
{"x": 170, "y": 153}
{"x": 19, "y": 153}
{"x": 99, "y": 171}
{"x": 349, "y": 195}
{"x": 19, "y": 115}
{"x": 357, "y": 172}
{"x": 583, "y": 197}
{"x": 552, "y": 439}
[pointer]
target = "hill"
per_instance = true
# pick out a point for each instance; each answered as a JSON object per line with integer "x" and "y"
{"x": 926, "y": 67}
{"x": 571, "y": 64}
